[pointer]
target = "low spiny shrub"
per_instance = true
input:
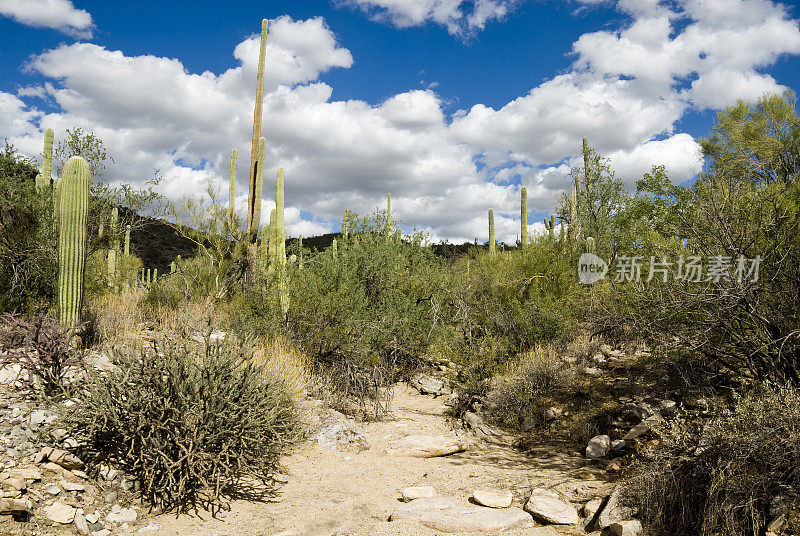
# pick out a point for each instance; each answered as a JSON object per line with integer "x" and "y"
{"x": 195, "y": 423}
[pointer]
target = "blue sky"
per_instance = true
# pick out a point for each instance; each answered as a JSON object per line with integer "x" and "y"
{"x": 450, "y": 105}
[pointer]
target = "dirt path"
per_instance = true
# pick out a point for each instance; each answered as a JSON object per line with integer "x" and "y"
{"x": 339, "y": 493}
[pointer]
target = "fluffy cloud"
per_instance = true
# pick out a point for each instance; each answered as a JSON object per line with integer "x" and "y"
{"x": 56, "y": 14}
{"x": 626, "y": 91}
{"x": 448, "y": 13}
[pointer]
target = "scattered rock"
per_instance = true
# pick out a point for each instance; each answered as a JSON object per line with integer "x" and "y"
{"x": 448, "y": 516}
{"x": 14, "y": 506}
{"x": 52, "y": 490}
{"x": 624, "y": 528}
{"x": 427, "y": 385}
{"x": 339, "y": 433}
{"x": 598, "y": 447}
{"x": 110, "y": 497}
{"x": 108, "y": 473}
{"x": 493, "y": 498}
{"x": 425, "y": 446}
{"x": 614, "y": 511}
{"x": 26, "y": 473}
{"x": 417, "y": 492}
{"x": 121, "y": 515}
{"x": 593, "y": 372}
{"x": 39, "y": 417}
{"x": 60, "y": 513}
{"x": 72, "y": 486}
{"x": 551, "y": 414}
{"x": 479, "y": 427}
{"x": 17, "y": 484}
{"x": 547, "y": 507}
{"x": 102, "y": 532}
{"x": 590, "y": 511}
{"x": 81, "y": 524}
{"x": 618, "y": 445}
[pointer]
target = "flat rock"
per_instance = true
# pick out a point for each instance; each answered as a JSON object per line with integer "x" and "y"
{"x": 337, "y": 432}
{"x": 60, "y": 513}
{"x": 631, "y": 527}
{"x": 598, "y": 447}
{"x": 72, "y": 486}
{"x": 548, "y": 508}
{"x": 121, "y": 515}
{"x": 493, "y": 498}
{"x": 81, "y": 525}
{"x": 448, "y": 516}
{"x": 417, "y": 492}
{"x": 479, "y": 427}
{"x": 14, "y": 506}
{"x": 613, "y": 511}
{"x": 427, "y": 385}
{"x": 59, "y": 457}
{"x": 425, "y": 446}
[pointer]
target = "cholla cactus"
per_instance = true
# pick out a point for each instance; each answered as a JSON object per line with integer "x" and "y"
{"x": 523, "y": 231}
{"x": 491, "y": 232}
{"x": 72, "y": 231}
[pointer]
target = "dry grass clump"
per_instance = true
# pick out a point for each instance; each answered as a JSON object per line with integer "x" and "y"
{"x": 730, "y": 476}
{"x": 519, "y": 398}
{"x": 118, "y": 318}
{"x": 285, "y": 362}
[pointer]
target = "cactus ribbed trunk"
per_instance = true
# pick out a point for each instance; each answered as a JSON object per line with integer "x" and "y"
{"x": 523, "y": 216}
{"x": 388, "y": 216}
{"x": 346, "y": 224}
{"x": 232, "y": 190}
{"x": 262, "y": 149}
{"x": 491, "y": 232}
{"x": 72, "y": 231}
{"x": 253, "y": 200}
{"x": 127, "y": 240}
{"x": 280, "y": 231}
{"x": 574, "y": 226}
{"x": 586, "y": 177}
{"x": 43, "y": 179}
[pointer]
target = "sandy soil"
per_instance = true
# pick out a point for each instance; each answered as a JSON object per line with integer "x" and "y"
{"x": 338, "y": 493}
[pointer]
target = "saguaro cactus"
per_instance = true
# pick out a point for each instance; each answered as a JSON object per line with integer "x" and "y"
{"x": 254, "y": 201}
{"x": 523, "y": 217}
{"x": 589, "y": 244}
{"x": 388, "y": 216}
{"x": 259, "y": 179}
{"x": 346, "y": 224}
{"x": 72, "y": 231}
{"x": 232, "y": 190}
{"x": 491, "y": 232}
{"x": 112, "y": 266}
{"x": 127, "y": 240}
{"x": 43, "y": 179}
{"x": 550, "y": 225}
{"x": 280, "y": 230}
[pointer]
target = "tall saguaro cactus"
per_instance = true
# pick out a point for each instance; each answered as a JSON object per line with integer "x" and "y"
{"x": 550, "y": 225}
{"x": 262, "y": 149}
{"x": 43, "y": 179}
{"x": 523, "y": 217}
{"x": 127, "y": 240}
{"x": 232, "y": 190}
{"x": 388, "y": 216}
{"x": 280, "y": 230}
{"x": 491, "y": 232}
{"x": 72, "y": 231}
{"x": 253, "y": 202}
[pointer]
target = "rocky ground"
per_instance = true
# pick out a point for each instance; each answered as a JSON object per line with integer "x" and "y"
{"x": 416, "y": 472}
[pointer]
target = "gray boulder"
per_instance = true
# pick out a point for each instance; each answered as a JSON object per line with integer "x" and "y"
{"x": 448, "y": 516}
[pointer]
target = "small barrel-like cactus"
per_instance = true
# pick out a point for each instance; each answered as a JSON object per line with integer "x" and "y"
{"x": 72, "y": 232}
{"x": 491, "y": 232}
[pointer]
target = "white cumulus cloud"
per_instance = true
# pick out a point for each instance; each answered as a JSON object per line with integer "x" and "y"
{"x": 59, "y": 15}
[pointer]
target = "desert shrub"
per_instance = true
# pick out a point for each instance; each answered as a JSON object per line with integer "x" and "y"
{"x": 28, "y": 237}
{"x": 195, "y": 424}
{"x": 727, "y": 477}
{"x": 366, "y": 314}
{"x": 42, "y": 347}
{"x": 519, "y": 398}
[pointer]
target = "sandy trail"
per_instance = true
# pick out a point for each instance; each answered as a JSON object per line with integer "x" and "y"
{"x": 340, "y": 493}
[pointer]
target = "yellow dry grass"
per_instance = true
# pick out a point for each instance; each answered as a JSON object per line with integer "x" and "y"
{"x": 286, "y": 363}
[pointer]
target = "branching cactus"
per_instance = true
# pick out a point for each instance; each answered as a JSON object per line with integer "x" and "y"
{"x": 72, "y": 231}
{"x": 253, "y": 200}
{"x": 232, "y": 190}
{"x": 43, "y": 179}
{"x": 550, "y": 225}
{"x": 523, "y": 231}
{"x": 491, "y": 232}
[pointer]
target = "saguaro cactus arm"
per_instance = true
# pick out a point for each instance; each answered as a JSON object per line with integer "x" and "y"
{"x": 43, "y": 179}
{"x": 232, "y": 189}
{"x": 523, "y": 231}
{"x": 72, "y": 231}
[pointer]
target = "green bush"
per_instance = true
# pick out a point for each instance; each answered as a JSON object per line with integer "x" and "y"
{"x": 729, "y": 477}
{"x": 195, "y": 424}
